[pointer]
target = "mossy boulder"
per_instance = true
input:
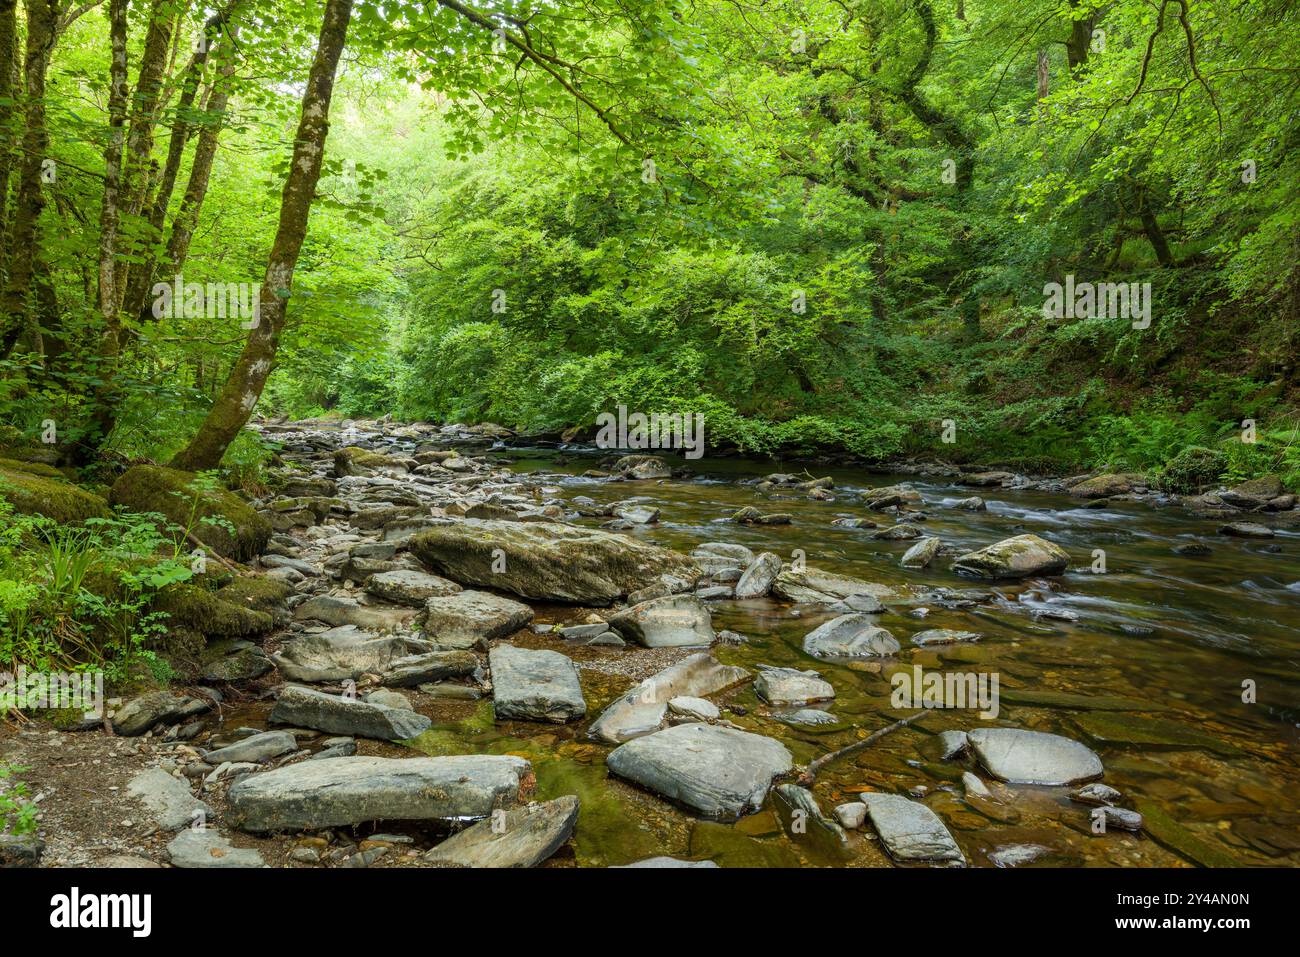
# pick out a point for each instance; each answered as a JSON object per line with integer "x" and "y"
{"x": 353, "y": 460}
{"x": 1191, "y": 470}
{"x": 151, "y": 488}
{"x": 1108, "y": 484}
{"x": 259, "y": 593}
{"x": 193, "y": 607}
{"x": 33, "y": 490}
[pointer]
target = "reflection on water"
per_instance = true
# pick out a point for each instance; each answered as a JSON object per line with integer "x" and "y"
{"x": 1158, "y": 641}
{"x": 1145, "y": 662}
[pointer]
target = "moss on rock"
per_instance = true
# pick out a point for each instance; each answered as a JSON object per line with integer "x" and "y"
{"x": 1191, "y": 470}
{"x": 194, "y": 607}
{"x": 353, "y": 460}
{"x": 259, "y": 593}
{"x": 152, "y": 488}
{"x": 39, "y": 493}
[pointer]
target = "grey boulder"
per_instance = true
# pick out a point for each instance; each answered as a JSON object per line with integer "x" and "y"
{"x": 850, "y": 636}
{"x": 910, "y": 831}
{"x": 718, "y": 772}
{"x": 668, "y": 622}
{"x": 521, "y": 837}
{"x": 470, "y": 619}
{"x": 1020, "y": 557}
{"x": 307, "y": 708}
{"x": 1033, "y": 757}
{"x": 353, "y": 790}
{"x": 529, "y": 685}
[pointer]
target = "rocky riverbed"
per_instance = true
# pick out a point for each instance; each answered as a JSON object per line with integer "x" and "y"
{"x": 462, "y": 653}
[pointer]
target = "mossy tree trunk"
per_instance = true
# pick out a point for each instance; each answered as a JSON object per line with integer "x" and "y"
{"x": 244, "y": 386}
{"x": 42, "y": 20}
{"x": 142, "y": 276}
{"x": 105, "y": 396}
{"x": 963, "y": 149}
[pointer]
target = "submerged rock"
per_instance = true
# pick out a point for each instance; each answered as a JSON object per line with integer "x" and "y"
{"x": 943, "y": 636}
{"x": 669, "y": 622}
{"x": 1020, "y": 557}
{"x": 1246, "y": 530}
{"x": 789, "y": 686}
{"x": 643, "y": 709}
{"x": 547, "y": 561}
{"x": 521, "y": 837}
{"x": 342, "y": 791}
{"x": 1033, "y": 757}
{"x": 850, "y": 636}
{"x": 530, "y": 685}
{"x": 667, "y": 862}
{"x": 910, "y": 831}
{"x": 718, "y": 772}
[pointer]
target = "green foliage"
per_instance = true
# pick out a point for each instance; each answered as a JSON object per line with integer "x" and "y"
{"x": 79, "y": 597}
{"x": 17, "y": 813}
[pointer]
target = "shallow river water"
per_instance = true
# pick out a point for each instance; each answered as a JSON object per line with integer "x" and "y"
{"x": 1152, "y": 675}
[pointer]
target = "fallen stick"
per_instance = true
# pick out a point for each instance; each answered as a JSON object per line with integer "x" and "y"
{"x": 806, "y": 779}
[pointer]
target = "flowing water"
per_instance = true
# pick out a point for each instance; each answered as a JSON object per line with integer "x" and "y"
{"x": 1150, "y": 662}
{"x": 1152, "y": 675}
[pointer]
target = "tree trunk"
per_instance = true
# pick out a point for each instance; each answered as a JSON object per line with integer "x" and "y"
{"x": 139, "y": 140}
{"x": 205, "y": 151}
{"x": 960, "y": 144}
{"x": 105, "y": 399}
{"x": 142, "y": 275}
{"x": 1080, "y": 42}
{"x": 244, "y": 386}
{"x": 8, "y": 56}
{"x": 42, "y": 17}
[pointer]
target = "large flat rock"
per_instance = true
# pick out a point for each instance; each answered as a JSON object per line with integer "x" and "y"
{"x": 643, "y": 709}
{"x": 1033, "y": 757}
{"x": 521, "y": 837}
{"x": 718, "y": 772}
{"x": 354, "y": 790}
{"x": 342, "y": 653}
{"x": 910, "y": 831}
{"x": 812, "y": 586}
{"x": 307, "y": 708}
{"x": 529, "y": 685}
{"x": 470, "y": 619}
{"x": 170, "y": 802}
{"x": 547, "y": 560}
{"x": 344, "y": 611}
{"x": 670, "y": 622}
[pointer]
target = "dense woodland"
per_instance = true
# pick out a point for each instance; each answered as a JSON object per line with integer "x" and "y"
{"x": 1001, "y": 242}
{"x": 824, "y": 225}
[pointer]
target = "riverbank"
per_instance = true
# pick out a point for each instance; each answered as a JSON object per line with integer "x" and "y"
{"x": 770, "y": 610}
